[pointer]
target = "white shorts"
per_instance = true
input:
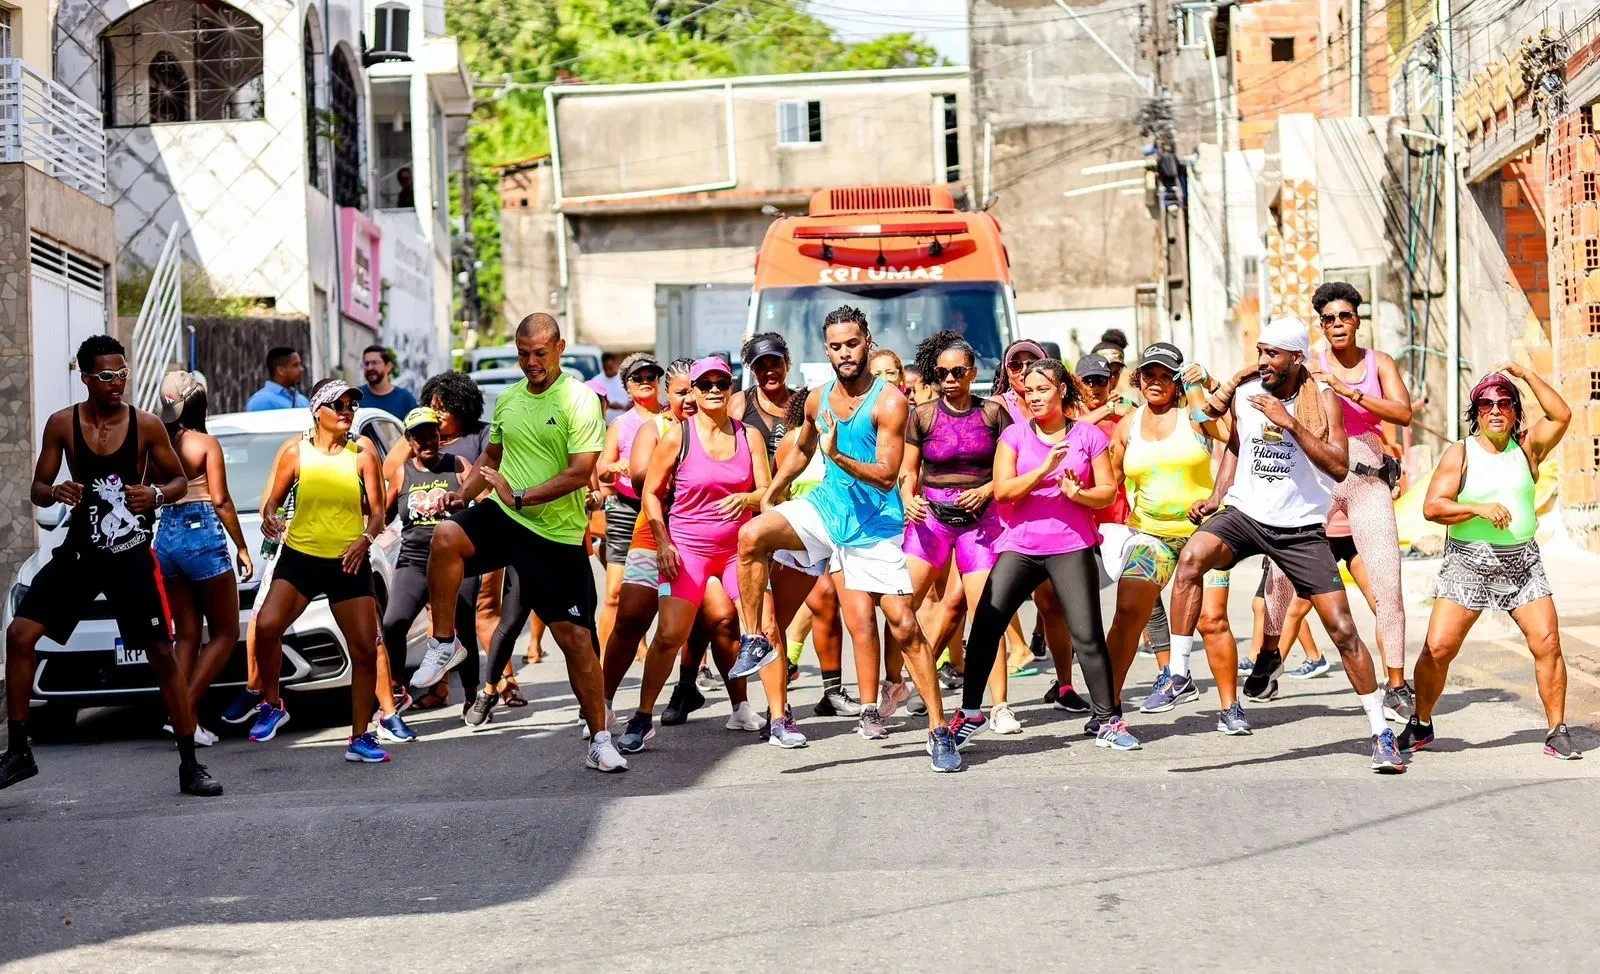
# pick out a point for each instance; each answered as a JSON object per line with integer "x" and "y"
{"x": 1114, "y": 544}
{"x": 879, "y": 569}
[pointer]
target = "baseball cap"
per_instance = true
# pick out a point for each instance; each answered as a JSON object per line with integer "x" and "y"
{"x": 1110, "y": 351}
{"x": 638, "y": 362}
{"x": 763, "y": 347}
{"x": 1025, "y": 346}
{"x": 176, "y": 388}
{"x": 708, "y": 365}
{"x": 421, "y": 416}
{"x": 1164, "y": 354}
{"x": 1492, "y": 382}
{"x": 1092, "y": 366}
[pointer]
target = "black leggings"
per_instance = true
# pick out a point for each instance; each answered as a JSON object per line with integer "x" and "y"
{"x": 1075, "y": 577}
{"x": 408, "y": 596}
{"x": 514, "y": 615}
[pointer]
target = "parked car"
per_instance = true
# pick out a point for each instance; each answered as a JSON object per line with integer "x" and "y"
{"x": 583, "y": 360}
{"x": 90, "y": 672}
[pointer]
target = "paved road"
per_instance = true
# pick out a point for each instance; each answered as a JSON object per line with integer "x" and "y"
{"x": 497, "y": 851}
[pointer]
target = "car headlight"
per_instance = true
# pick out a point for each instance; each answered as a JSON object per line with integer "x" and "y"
{"x": 19, "y": 591}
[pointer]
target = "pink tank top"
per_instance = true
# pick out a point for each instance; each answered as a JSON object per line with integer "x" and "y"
{"x": 702, "y": 483}
{"x": 627, "y": 426}
{"x": 1358, "y": 420}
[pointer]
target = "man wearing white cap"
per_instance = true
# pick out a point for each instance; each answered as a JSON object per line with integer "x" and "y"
{"x": 1286, "y": 451}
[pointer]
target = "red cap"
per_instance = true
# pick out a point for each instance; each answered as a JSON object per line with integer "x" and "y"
{"x": 1492, "y": 381}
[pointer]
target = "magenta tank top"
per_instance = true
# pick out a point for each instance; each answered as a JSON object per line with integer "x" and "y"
{"x": 627, "y": 426}
{"x": 700, "y": 484}
{"x": 1016, "y": 407}
{"x": 1358, "y": 420}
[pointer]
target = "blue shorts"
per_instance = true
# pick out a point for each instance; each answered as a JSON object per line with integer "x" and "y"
{"x": 190, "y": 542}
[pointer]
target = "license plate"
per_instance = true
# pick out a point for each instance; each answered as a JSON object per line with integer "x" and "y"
{"x": 130, "y": 657}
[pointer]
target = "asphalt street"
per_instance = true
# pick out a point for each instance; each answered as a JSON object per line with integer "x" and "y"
{"x": 498, "y": 851}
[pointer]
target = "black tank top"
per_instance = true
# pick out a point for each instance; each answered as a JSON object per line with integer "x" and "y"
{"x": 422, "y": 507}
{"x": 101, "y": 523}
{"x": 772, "y": 435}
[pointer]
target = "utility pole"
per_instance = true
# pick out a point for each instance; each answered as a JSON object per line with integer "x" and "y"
{"x": 1358, "y": 54}
{"x": 1452, "y": 222}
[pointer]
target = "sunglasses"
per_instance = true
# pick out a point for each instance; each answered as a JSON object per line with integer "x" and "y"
{"x": 1017, "y": 365}
{"x": 959, "y": 373}
{"x": 714, "y": 385}
{"x": 341, "y": 406}
{"x": 1507, "y": 406}
{"x": 1348, "y": 317}
{"x": 110, "y": 375}
{"x": 648, "y": 377}
{"x": 1096, "y": 380}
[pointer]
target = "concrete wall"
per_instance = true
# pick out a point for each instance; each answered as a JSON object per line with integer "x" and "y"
{"x": 30, "y": 33}
{"x": 528, "y": 243}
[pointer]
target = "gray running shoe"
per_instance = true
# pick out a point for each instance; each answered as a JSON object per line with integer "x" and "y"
{"x": 1232, "y": 722}
{"x": 783, "y": 732}
{"x": 482, "y": 708}
{"x": 917, "y": 707}
{"x": 1169, "y": 692}
{"x": 1399, "y": 703}
{"x": 641, "y": 727}
{"x": 707, "y": 680}
{"x": 1311, "y": 669}
{"x": 837, "y": 702}
{"x": 755, "y": 652}
{"x": 1386, "y": 757}
{"x": 871, "y": 726}
{"x": 950, "y": 678}
{"x": 1558, "y": 744}
{"x": 942, "y": 749}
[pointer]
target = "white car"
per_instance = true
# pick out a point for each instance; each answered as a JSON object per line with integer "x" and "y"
{"x": 89, "y": 671}
{"x": 582, "y": 360}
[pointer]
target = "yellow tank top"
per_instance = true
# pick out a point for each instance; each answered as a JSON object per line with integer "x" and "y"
{"x": 1165, "y": 477}
{"x": 327, "y": 513}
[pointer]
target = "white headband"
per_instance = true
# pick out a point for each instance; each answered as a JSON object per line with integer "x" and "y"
{"x": 1288, "y": 334}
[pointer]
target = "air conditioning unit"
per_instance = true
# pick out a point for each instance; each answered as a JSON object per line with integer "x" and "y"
{"x": 391, "y": 34}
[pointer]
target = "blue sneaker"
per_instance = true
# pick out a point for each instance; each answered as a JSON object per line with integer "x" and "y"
{"x": 365, "y": 749}
{"x": 942, "y": 749}
{"x": 269, "y": 720}
{"x": 755, "y": 652}
{"x": 1183, "y": 689}
{"x": 1232, "y": 722}
{"x": 1386, "y": 757}
{"x": 1168, "y": 692}
{"x": 1311, "y": 668}
{"x": 1246, "y": 665}
{"x": 1114, "y": 734}
{"x": 641, "y": 727}
{"x": 243, "y": 708}
{"x": 393, "y": 730}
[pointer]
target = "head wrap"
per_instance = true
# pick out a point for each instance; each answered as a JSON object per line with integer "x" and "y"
{"x": 1287, "y": 334}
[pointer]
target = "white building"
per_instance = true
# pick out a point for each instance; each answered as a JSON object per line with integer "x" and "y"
{"x": 272, "y": 136}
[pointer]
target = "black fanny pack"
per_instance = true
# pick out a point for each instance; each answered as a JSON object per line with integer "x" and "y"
{"x": 954, "y": 515}
{"x": 1388, "y": 471}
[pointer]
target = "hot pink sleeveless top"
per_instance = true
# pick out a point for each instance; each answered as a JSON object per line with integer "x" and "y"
{"x": 627, "y": 426}
{"x": 701, "y": 483}
{"x": 1357, "y": 418}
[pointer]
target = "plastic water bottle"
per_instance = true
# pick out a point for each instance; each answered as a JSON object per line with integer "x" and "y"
{"x": 269, "y": 546}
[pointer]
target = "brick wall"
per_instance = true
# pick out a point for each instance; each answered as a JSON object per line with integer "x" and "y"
{"x": 1527, "y": 251}
{"x": 1572, "y": 194}
{"x": 1317, "y": 81}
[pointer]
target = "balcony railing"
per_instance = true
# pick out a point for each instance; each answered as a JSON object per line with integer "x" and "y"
{"x": 51, "y": 129}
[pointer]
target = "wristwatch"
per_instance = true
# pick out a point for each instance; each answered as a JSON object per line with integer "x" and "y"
{"x": 161, "y": 499}
{"x": 516, "y": 501}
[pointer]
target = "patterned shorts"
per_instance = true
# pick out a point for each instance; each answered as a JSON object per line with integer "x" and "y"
{"x": 640, "y": 568}
{"x": 1477, "y": 575}
{"x": 1154, "y": 559}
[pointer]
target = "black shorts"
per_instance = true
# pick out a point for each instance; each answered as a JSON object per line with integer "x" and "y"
{"x": 64, "y": 592}
{"x": 1301, "y": 553}
{"x": 621, "y": 513}
{"x": 313, "y": 577}
{"x": 557, "y": 582}
{"x": 1344, "y": 548}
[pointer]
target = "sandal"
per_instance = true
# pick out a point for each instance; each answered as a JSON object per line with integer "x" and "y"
{"x": 433, "y": 699}
{"x": 511, "y": 694}
{"x": 1016, "y": 671}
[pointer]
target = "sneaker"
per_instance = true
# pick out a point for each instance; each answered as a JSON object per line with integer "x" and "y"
{"x": 17, "y": 765}
{"x": 1114, "y": 734}
{"x": 783, "y": 733}
{"x": 365, "y": 750}
{"x": 946, "y": 757}
{"x": 837, "y": 702}
{"x": 891, "y": 697}
{"x": 1168, "y": 692}
{"x": 1145, "y": 649}
{"x": 1232, "y": 722}
{"x": 243, "y": 708}
{"x": 194, "y": 779}
{"x": 1399, "y": 703}
{"x": 1005, "y": 722}
{"x": 755, "y": 652}
{"x": 745, "y": 718}
{"x": 707, "y": 680}
{"x": 402, "y": 700}
{"x": 1067, "y": 699}
{"x": 949, "y": 678}
{"x": 393, "y": 730}
{"x": 439, "y": 659}
{"x": 870, "y": 725}
{"x": 1091, "y": 727}
{"x": 1311, "y": 669}
{"x": 1037, "y": 646}
{"x": 1558, "y": 744}
{"x": 202, "y": 737}
{"x": 1416, "y": 736}
{"x": 965, "y": 728}
{"x": 794, "y": 672}
{"x": 269, "y": 720}
{"x": 1386, "y": 757}
{"x": 686, "y": 699}
{"x": 1268, "y": 667}
{"x": 1052, "y": 691}
{"x": 603, "y": 755}
{"x": 1246, "y": 665}
{"x": 482, "y": 709}
{"x": 641, "y": 727}
{"x": 918, "y": 707}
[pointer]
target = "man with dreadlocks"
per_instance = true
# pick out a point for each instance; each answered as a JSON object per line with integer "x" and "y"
{"x": 1286, "y": 451}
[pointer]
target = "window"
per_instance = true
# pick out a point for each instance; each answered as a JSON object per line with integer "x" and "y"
{"x": 181, "y": 61}
{"x": 1252, "y": 271}
{"x": 5, "y": 32}
{"x": 1193, "y": 22}
{"x": 349, "y": 188}
{"x": 951, "y": 121}
{"x": 1283, "y": 48}
{"x": 391, "y": 32}
{"x": 308, "y": 54}
{"x": 799, "y": 122}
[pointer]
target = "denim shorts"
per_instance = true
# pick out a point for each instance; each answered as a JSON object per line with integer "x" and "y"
{"x": 190, "y": 542}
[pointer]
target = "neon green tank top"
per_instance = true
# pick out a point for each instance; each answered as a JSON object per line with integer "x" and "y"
{"x": 327, "y": 514}
{"x": 1165, "y": 477}
{"x": 1497, "y": 478}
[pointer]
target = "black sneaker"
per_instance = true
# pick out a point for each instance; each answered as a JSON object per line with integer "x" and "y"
{"x": 686, "y": 699}
{"x": 1269, "y": 666}
{"x": 1091, "y": 727}
{"x": 1036, "y": 644}
{"x": 1067, "y": 699}
{"x": 194, "y": 779}
{"x": 950, "y": 678}
{"x": 794, "y": 673}
{"x": 17, "y": 765}
{"x": 1399, "y": 703}
{"x": 837, "y": 702}
{"x": 1054, "y": 691}
{"x": 1557, "y": 744}
{"x": 482, "y": 707}
{"x": 1416, "y": 736}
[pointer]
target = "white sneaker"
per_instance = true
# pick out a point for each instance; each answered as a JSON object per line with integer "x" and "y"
{"x": 440, "y": 658}
{"x": 1005, "y": 722}
{"x": 603, "y": 754}
{"x": 745, "y": 718}
{"x": 202, "y": 737}
{"x": 891, "y": 697}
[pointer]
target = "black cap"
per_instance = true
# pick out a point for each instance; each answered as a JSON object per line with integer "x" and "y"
{"x": 764, "y": 347}
{"x": 1093, "y": 366}
{"x": 1164, "y": 354}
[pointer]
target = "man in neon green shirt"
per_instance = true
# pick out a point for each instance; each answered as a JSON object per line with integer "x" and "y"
{"x": 544, "y": 440}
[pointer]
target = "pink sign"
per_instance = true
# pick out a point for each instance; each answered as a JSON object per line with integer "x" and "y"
{"x": 360, "y": 284}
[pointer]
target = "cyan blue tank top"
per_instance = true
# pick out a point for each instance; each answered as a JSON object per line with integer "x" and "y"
{"x": 857, "y": 515}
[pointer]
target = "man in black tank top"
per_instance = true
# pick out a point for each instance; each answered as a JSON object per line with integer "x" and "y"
{"x": 107, "y": 445}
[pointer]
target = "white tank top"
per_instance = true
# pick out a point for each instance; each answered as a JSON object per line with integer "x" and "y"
{"x": 1275, "y": 483}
